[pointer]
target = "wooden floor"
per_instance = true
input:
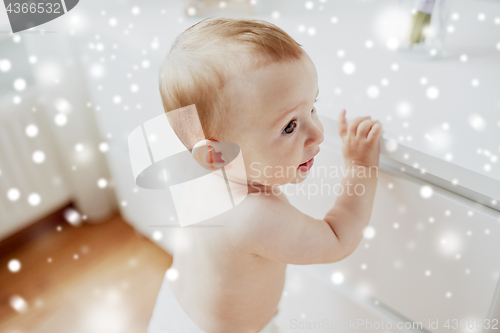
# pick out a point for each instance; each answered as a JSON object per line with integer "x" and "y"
{"x": 100, "y": 278}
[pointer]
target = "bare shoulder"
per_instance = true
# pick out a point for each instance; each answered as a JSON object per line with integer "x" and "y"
{"x": 269, "y": 226}
{"x": 254, "y": 214}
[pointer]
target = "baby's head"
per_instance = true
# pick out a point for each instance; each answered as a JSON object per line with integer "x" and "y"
{"x": 252, "y": 85}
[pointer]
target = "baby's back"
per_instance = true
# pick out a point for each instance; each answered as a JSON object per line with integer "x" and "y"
{"x": 222, "y": 287}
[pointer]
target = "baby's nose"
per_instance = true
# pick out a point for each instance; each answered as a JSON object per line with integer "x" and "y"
{"x": 316, "y": 136}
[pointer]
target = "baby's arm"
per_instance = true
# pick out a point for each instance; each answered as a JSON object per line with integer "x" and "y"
{"x": 361, "y": 152}
{"x": 281, "y": 232}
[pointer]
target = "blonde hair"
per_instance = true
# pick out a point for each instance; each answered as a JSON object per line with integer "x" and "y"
{"x": 204, "y": 57}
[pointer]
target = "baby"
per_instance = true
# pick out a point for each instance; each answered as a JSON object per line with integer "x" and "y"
{"x": 254, "y": 86}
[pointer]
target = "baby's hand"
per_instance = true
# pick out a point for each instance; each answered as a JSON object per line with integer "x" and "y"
{"x": 360, "y": 140}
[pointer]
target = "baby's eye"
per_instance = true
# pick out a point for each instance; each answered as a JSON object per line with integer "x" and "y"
{"x": 292, "y": 124}
{"x": 290, "y": 127}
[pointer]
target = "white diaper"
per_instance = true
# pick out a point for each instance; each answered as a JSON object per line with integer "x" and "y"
{"x": 170, "y": 317}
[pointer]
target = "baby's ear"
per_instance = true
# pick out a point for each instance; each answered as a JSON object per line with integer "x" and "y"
{"x": 213, "y": 155}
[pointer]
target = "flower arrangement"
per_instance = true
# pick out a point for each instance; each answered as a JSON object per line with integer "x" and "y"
{"x": 420, "y": 21}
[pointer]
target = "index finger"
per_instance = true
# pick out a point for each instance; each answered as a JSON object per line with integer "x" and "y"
{"x": 342, "y": 123}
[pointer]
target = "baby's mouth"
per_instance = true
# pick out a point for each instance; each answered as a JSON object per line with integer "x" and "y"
{"x": 306, "y": 165}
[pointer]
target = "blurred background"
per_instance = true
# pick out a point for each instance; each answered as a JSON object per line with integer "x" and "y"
{"x": 84, "y": 249}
